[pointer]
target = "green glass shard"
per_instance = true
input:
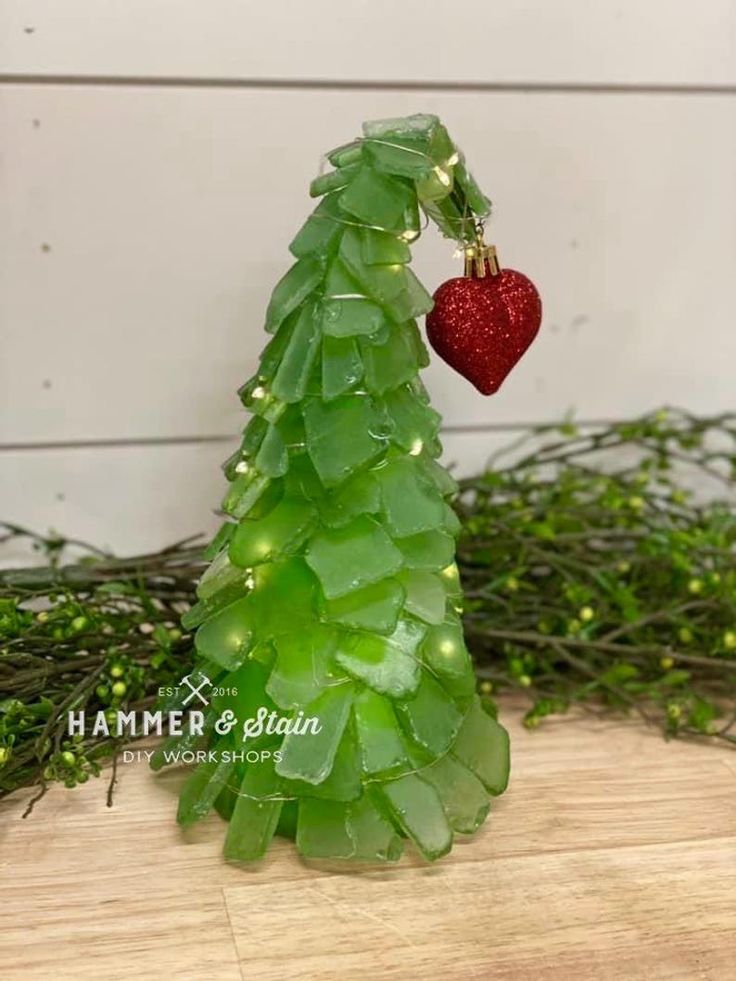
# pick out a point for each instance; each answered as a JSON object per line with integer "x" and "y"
{"x": 463, "y": 796}
{"x": 417, "y": 809}
{"x": 427, "y": 550}
{"x": 399, "y": 155}
{"x": 379, "y": 736}
{"x": 482, "y": 745}
{"x": 376, "y": 199}
{"x": 414, "y": 425}
{"x": 308, "y": 755}
{"x": 255, "y": 815}
{"x": 340, "y": 283}
{"x": 387, "y": 664}
{"x": 391, "y": 363}
{"x": 450, "y": 521}
{"x": 430, "y": 717}
{"x": 201, "y": 789}
{"x": 290, "y": 381}
{"x": 322, "y": 830}
{"x": 245, "y": 694}
{"x": 349, "y": 558}
{"x": 343, "y": 782}
{"x": 436, "y": 474}
{"x": 221, "y": 539}
{"x": 320, "y": 234}
{"x": 419, "y": 125}
{"x": 359, "y": 495}
{"x": 477, "y": 200}
{"x": 286, "y": 828}
{"x": 346, "y": 153}
{"x": 410, "y": 505}
{"x": 350, "y": 316}
{"x": 302, "y": 667}
{"x": 334, "y": 181}
{"x": 282, "y": 530}
{"x": 243, "y": 493}
{"x": 302, "y": 479}
{"x": 373, "y": 608}
{"x": 444, "y": 651}
{"x": 342, "y": 367}
{"x": 342, "y": 436}
{"x": 374, "y": 837}
{"x": 227, "y": 636}
{"x": 294, "y": 287}
{"x": 272, "y": 458}
{"x": 393, "y": 287}
{"x": 426, "y": 596}
{"x": 284, "y": 585}
{"x": 383, "y": 248}
{"x": 272, "y": 354}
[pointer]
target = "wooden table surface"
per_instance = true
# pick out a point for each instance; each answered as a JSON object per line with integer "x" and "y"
{"x": 611, "y": 856}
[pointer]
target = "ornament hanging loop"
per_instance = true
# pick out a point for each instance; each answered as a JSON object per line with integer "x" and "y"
{"x": 480, "y": 259}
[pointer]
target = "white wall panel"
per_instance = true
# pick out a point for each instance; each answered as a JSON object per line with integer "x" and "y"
{"x": 143, "y": 231}
{"x": 134, "y": 499}
{"x": 588, "y": 41}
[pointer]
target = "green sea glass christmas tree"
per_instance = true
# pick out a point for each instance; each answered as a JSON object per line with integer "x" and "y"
{"x": 333, "y": 594}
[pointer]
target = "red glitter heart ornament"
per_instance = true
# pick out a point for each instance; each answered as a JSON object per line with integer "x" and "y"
{"x": 482, "y": 326}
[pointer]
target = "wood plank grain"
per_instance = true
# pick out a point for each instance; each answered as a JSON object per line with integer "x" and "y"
{"x": 615, "y": 861}
{"x": 144, "y": 231}
{"x": 610, "y": 41}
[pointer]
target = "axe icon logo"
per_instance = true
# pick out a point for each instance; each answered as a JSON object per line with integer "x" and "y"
{"x": 195, "y": 689}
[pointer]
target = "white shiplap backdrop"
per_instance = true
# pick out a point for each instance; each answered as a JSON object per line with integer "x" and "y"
{"x": 156, "y": 160}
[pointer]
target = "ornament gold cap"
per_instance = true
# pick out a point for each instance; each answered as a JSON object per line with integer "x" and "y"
{"x": 480, "y": 259}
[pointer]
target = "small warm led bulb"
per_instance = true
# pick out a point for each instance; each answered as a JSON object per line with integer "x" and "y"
{"x": 242, "y": 467}
{"x": 450, "y": 571}
{"x": 416, "y": 447}
{"x": 455, "y": 158}
{"x": 409, "y": 235}
{"x": 259, "y": 392}
{"x": 442, "y": 176}
{"x": 447, "y": 647}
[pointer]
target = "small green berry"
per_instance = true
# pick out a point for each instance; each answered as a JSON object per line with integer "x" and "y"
{"x": 524, "y": 680}
{"x": 685, "y": 635}
{"x": 666, "y": 663}
{"x": 674, "y": 712}
{"x": 729, "y": 640}
{"x": 486, "y": 687}
{"x": 119, "y": 689}
{"x": 695, "y": 586}
{"x": 79, "y": 623}
{"x": 69, "y": 758}
{"x": 586, "y": 614}
{"x": 117, "y": 671}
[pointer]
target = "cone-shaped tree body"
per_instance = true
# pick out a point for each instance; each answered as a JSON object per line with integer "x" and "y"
{"x": 333, "y": 598}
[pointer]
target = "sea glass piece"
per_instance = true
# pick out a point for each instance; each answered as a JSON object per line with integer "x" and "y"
{"x": 427, "y": 550}
{"x": 359, "y": 495}
{"x": 482, "y": 745}
{"x": 272, "y": 457}
{"x": 302, "y": 666}
{"x": 272, "y": 353}
{"x": 342, "y": 366}
{"x": 444, "y": 651}
{"x": 437, "y": 475}
{"x": 349, "y": 558}
{"x": 346, "y": 153}
{"x": 226, "y": 637}
{"x": 374, "y": 838}
{"x": 393, "y": 287}
{"x": 243, "y": 493}
{"x": 391, "y": 363}
{"x": 419, "y": 124}
{"x": 201, "y": 789}
{"x": 376, "y": 199}
{"x": 379, "y": 735}
{"x": 383, "y": 248}
{"x": 343, "y": 782}
{"x": 284, "y": 585}
{"x": 340, "y": 436}
{"x": 350, "y": 316}
{"x": 284, "y": 528}
{"x": 430, "y": 716}
{"x": 477, "y": 200}
{"x": 322, "y": 830}
{"x": 294, "y": 287}
{"x": 398, "y": 155}
{"x": 309, "y": 755}
{"x": 220, "y": 540}
{"x": 463, "y": 796}
{"x": 220, "y": 577}
{"x": 415, "y": 425}
{"x": 290, "y": 381}
{"x": 373, "y": 608}
{"x": 255, "y": 815}
{"x": 335, "y": 180}
{"x": 426, "y": 597}
{"x": 410, "y": 505}
{"x": 387, "y": 664}
{"x": 417, "y": 809}
{"x": 321, "y": 232}
{"x": 450, "y": 521}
